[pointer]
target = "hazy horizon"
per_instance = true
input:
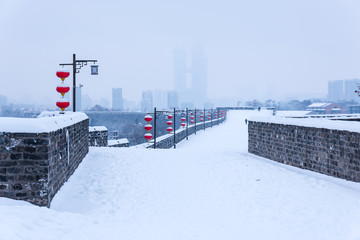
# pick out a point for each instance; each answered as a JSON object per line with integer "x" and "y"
{"x": 255, "y": 49}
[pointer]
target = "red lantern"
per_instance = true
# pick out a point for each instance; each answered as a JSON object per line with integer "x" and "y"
{"x": 201, "y": 120}
{"x": 169, "y": 123}
{"x": 148, "y": 136}
{"x": 62, "y": 89}
{"x": 191, "y": 113}
{"x": 170, "y": 117}
{"x": 209, "y": 118}
{"x": 183, "y": 124}
{"x": 201, "y": 116}
{"x": 148, "y": 118}
{"x": 62, "y": 75}
{"x": 192, "y": 117}
{"x": 148, "y": 127}
{"x": 62, "y": 104}
{"x": 192, "y": 121}
{"x": 183, "y": 119}
{"x": 169, "y": 129}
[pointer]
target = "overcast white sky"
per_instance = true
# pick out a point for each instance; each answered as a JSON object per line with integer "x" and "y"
{"x": 255, "y": 48}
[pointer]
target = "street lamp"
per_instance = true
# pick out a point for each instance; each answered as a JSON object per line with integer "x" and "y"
{"x": 77, "y": 65}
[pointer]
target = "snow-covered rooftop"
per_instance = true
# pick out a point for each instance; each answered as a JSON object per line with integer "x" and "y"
{"x": 118, "y": 141}
{"x": 318, "y": 105}
{"x": 97, "y": 128}
{"x": 45, "y": 122}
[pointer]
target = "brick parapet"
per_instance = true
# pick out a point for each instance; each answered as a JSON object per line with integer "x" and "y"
{"x": 328, "y": 151}
{"x": 98, "y": 138}
{"x": 34, "y": 166}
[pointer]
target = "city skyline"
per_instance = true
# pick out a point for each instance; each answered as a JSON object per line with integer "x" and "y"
{"x": 255, "y": 50}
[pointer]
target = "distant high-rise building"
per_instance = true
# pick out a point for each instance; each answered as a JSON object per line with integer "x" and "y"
{"x": 349, "y": 90}
{"x": 147, "y": 101}
{"x": 343, "y": 90}
{"x": 3, "y": 100}
{"x": 160, "y": 99}
{"x": 336, "y": 90}
{"x": 173, "y": 99}
{"x": 117, "y": 100}
{"x": 191, "y": 81}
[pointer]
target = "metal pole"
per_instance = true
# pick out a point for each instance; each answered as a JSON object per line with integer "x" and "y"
{"x": 174, "y": 128}
{"x": 204, "y": 118}
{"x": 155, "y": 116}
{"x": 74, "y": 82}
{"x": 187, "y": 123}
{"x": 195, "y": 120}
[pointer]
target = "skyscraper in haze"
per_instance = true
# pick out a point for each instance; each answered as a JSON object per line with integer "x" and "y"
{"x": 349, "y": 90}
{"x": 117, "y": 100}
{"x": 191, "y": 78}
{"x": 147, "y": 101}
{"x": 3, "y": 100}
{"x": 335, "y": 90}
{"x": 173, "y": 99}
{"x": 160, "y": 99}
{"x": 343, "y": 90}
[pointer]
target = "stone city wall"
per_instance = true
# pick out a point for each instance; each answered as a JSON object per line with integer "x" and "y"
{"x": 328, "y": 151}
{"x": 33, "y": 166}
{"x": 98, "y": 136}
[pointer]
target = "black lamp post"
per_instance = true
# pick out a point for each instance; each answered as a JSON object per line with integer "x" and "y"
{"x": 77, "y": 65}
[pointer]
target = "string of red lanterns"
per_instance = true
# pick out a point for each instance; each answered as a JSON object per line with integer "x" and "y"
{"x": 192, "y": 118}
{"x": 62, "y": 89}
{"x": 148, "y": 118}
{"x": 183, "y": 119}
{"x": 148, "y": 127}
{"x": 169, "y": 123}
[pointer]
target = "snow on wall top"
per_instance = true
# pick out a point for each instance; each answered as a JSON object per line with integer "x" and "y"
{"x": 45, "y": 122}
{"x": 97, "y": 128}
{"x": 351, "y": 126}
{"x": 118, "y": 141}
{"x": 292, "y": 113}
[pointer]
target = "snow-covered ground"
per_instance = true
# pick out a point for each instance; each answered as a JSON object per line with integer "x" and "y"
{"x": 208, "y": 188}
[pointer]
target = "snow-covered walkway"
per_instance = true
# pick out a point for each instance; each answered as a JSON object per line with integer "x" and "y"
{"x": 208, "y": 188}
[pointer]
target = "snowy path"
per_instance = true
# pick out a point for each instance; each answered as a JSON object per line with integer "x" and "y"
{"x": 208, "y": 188}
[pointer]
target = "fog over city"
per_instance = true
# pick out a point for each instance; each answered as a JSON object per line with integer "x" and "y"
{"x": 262, "y": 49}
